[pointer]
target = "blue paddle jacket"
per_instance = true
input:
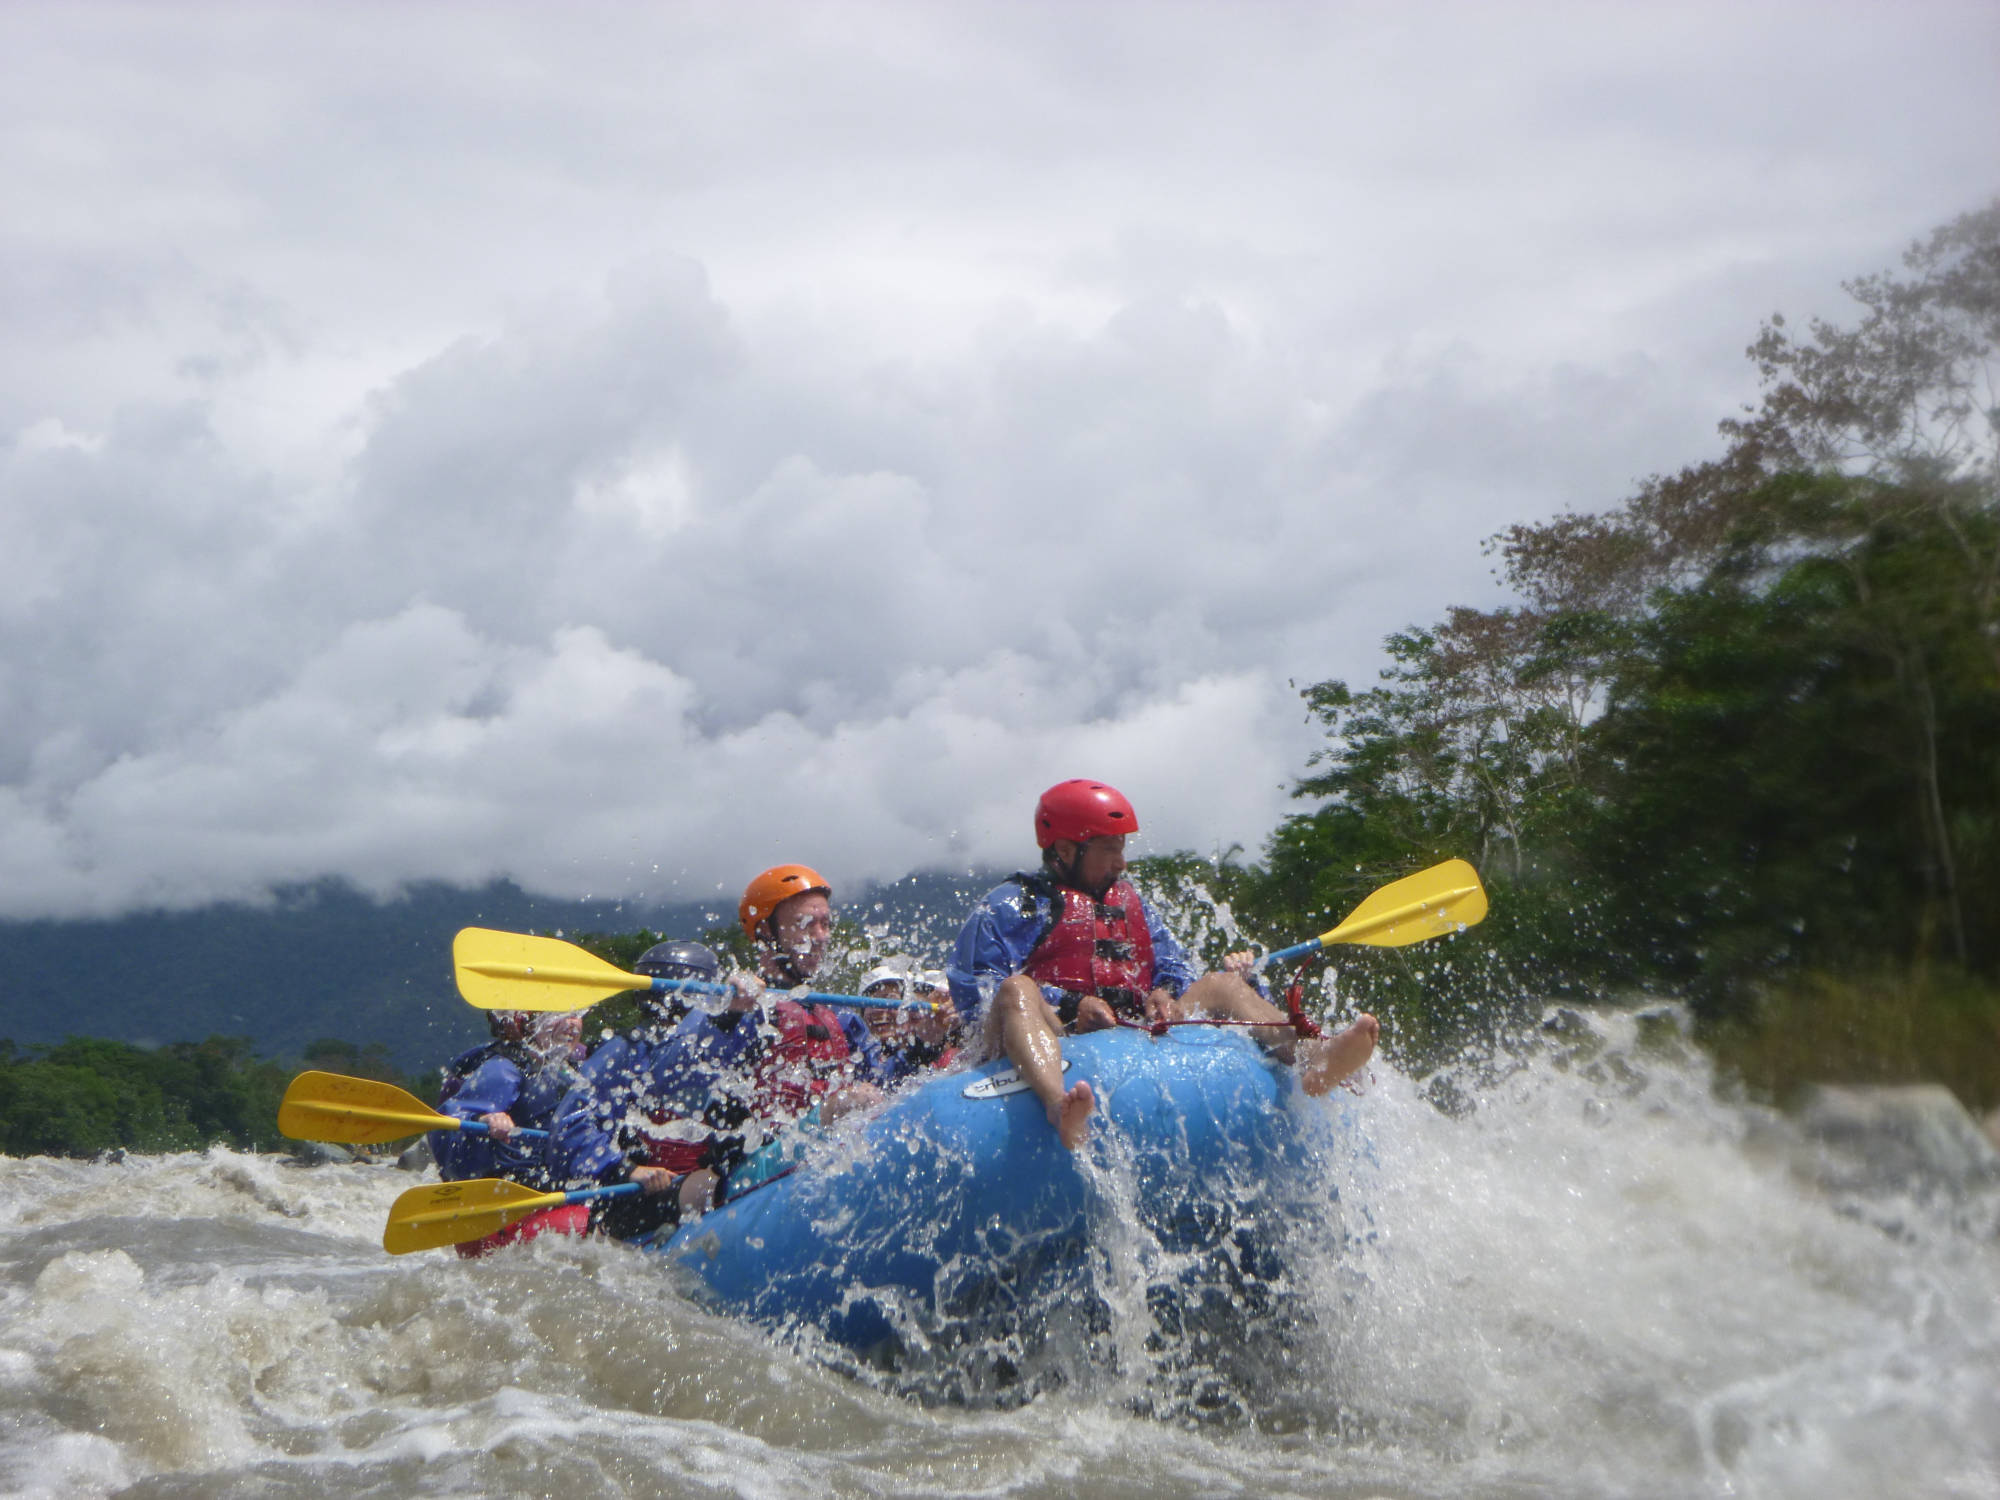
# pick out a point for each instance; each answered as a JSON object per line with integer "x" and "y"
{"x": 1003, "y": 930}
{"x": 499, "y": 1078}
{"x": 701, "y": 1073}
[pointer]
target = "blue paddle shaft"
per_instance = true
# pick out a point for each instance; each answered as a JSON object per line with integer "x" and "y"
{"x": 807, "y": 997}
{"x": 1297, "y": 950}
{"x": 616, "y": 1190}
{"x": 480, "y": 1127}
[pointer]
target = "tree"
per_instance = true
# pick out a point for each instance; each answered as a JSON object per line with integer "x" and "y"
{"x": 1745, "y": 719}
{"x": 1806, "y": 764}
{"x": 89, "y": 1095}
{"x": 1908, "y": 399}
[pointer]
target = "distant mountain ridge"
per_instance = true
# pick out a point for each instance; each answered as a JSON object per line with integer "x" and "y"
{"x": 325, "y": 960}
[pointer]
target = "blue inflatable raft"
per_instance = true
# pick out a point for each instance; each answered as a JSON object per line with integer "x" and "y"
{"x": 955, "y": 1212}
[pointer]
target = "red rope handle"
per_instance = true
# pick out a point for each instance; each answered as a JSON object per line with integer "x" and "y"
{"x": 1295, "y": 1017}
{"x": 1295, "y": 1007}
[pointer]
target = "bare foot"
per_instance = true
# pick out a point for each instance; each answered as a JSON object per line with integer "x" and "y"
{"x": 1324, "y": 1061}
{"x": 1071, "y": 1116}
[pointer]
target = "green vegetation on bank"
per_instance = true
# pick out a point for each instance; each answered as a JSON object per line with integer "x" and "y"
{"x": 88, "y": 1095}
{"x": 1893, "y": 1025}
{"x": 1737, "y": 739}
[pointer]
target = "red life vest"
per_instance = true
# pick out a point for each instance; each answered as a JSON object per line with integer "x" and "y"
{"x": 676, "y": 1143}
{"x": 809, "y": 1059}
{"x": 1097, "y": 948}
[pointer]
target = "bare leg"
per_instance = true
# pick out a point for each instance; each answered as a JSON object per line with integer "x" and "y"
{"x": 1322, "y": 1061}
{"x": 1222, "y": 994}
{"x": 1027, "y": 1030}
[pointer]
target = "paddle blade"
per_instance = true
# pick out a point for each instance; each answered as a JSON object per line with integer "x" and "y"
{"x": 511, "y": 971}
{"x": 452, "y": 1213}
{"x": 1428, "y": 904}
{"x": 354, "y": 1111}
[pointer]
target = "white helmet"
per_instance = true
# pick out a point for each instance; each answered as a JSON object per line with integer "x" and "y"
{"x": 895, "y": 971}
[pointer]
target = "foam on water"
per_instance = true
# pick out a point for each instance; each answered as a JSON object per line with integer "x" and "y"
{"x": 1589, "y": 1280}
{"x": 1590, "y": 1285}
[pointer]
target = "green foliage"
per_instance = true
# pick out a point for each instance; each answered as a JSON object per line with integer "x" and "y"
{"x": 1886, "y": 1025}
{"x": 1199, "y": 897}
{"x": 89, "y": 1095}
{"x": 1806, "y": 759}
{"x": 620, "y": 1012}
{"x": 1472, "y": 744}
{"x": 621, "y": 948}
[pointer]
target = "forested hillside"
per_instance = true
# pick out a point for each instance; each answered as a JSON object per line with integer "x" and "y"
{"x": 320, "y": 961}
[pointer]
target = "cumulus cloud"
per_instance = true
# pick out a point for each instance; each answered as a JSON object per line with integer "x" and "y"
{"x": 619, "y": 456}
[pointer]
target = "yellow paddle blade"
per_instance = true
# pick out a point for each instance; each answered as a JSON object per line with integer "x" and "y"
{"x": 511, "y": 971}
{"x": 1427, "y": 904}
{"x": 451, "y": 1213}
{"x": 356, "y": 1111}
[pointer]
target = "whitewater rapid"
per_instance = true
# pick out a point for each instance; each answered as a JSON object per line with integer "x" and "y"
{"x": 1592, "y": 1278}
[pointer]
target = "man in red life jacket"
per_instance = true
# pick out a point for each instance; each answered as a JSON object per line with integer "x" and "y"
{"x": 808, "y": 1056}
{"x": 1074, "y": 947}
{"x": 693, "y": 1108}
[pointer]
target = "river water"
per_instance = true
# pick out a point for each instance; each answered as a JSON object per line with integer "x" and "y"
{"x": 1591, "y": 1278}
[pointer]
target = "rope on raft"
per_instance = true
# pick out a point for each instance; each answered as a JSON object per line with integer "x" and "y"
{"x": 1295, "y": 1017}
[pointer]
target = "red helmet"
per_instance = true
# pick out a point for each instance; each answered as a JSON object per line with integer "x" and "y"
{"x": 779, "y": 883}
{"x": 1081, "y": 810}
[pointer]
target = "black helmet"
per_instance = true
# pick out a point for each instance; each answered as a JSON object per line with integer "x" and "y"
{"x": 678, "y": 958}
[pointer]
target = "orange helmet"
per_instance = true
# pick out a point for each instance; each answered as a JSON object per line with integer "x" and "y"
{"x": 762, "y": 895}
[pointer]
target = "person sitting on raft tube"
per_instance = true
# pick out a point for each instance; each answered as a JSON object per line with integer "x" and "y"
{"x": 613, "y": 1125}
{"x": 722, "y": 1085}
{"x": 514, "y": 1082}
{"x": 1073, "y": 947}
{"x": 911, "y": 1041}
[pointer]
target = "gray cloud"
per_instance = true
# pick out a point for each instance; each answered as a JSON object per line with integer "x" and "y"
{"x": 620, "y": 454}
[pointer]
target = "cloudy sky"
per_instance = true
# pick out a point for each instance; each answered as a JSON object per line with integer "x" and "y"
{"x": 619, "y": 447}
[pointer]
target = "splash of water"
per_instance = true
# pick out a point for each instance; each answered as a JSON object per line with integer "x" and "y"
{"x": 1592, "y": 1277}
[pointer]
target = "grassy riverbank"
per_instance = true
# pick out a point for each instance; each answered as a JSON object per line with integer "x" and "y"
{"x": 1914, "y": 1026}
